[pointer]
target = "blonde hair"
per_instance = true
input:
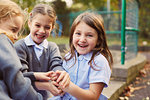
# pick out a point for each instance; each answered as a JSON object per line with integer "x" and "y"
{"x": 8, "y": 9}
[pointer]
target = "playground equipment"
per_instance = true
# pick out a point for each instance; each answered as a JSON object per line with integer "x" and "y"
{"x": 129, "y": 28}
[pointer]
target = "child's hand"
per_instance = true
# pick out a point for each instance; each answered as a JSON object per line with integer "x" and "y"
{"x": 49, "y": 86}
{"x": 43, "y": 75}
{"x": 63, "y": 79}
{"x": 54, "y": 89}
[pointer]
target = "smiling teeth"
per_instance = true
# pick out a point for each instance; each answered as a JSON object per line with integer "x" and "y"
{"x": 40, "y": 35}
{"x": 82, "y": 45}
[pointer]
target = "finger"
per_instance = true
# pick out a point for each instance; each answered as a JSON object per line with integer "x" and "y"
{"x": 50, "y": 73}
{"x": 65, "y": 81}
{"x": 61, "y": 76}
{"x": 54, "y": 78}
{"x": 57, "y": 91}
{"x": 66, "y": 84}
{"x": 44, "y": 78}
{"x": 55, "y": 83}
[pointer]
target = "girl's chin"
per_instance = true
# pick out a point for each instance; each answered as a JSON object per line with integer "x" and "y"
{"x": 38, "y": 42}
{"x": 81, "y": 53}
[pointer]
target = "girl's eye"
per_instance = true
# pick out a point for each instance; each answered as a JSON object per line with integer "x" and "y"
{"x": 37, "y": 25}
{"x": 47, "y": 27}
{"x": 90, "y": 35}
{"x": 78, "y": 33}
{"x": 14, "y": 30}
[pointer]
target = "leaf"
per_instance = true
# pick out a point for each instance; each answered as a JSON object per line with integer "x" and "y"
{"x": 121, "y": 98}
{"x": 143, "y": 72}
{"x": 140, "y": 87}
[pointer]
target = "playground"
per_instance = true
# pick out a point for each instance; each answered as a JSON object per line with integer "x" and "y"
{"x": 128, "y": 62}
{"x": 130, "y": 79}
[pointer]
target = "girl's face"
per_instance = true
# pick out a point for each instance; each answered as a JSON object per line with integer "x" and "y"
{"x": 40, "y": 28}
{"x": 84, "y": 38}
{"x": 12, "y": 25}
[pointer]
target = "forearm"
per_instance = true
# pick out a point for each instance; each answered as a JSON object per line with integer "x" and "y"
{"x": 79, "y": 93}
{"x": 41, "y": 85}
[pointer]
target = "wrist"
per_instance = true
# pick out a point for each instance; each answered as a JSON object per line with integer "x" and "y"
{"x": 68, "y": 88}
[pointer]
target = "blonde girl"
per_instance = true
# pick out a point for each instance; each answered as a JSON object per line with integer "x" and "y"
{"x": 13, "y": 85}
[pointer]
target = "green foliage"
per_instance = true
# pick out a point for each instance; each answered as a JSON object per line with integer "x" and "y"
{"x": 82, "y": 5}
{"x": 144, "y": 18}
{"x": 89, "y": 4}
{"x": 59, "y": 40}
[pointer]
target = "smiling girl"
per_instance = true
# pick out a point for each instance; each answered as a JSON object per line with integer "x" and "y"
{"x": 36, "y": 53}
{"x": 89, "y": 59}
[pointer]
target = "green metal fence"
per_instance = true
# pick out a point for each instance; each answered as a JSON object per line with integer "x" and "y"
{"x": 121, "y": 27}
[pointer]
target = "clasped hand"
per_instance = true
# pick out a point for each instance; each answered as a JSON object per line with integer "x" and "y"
{"x": 52, "y": 81}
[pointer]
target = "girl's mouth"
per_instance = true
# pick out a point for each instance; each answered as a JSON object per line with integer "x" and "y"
{"x": 40, "y": 36}
{"x": 82, "y": 46}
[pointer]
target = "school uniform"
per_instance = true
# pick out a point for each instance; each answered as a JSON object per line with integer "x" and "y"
{"x": 38, "y": 58}
{"x": 82, "y": 74}
{"x": 12, "y": 82}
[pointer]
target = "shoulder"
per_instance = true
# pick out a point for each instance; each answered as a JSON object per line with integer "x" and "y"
{"x": 100, "y": 58}
{"x": 19, "y": 42}
{"x": 5, "y": 41}
{"x": 20, "y": 45}
{"x": 101, "y": 62}
{"x": 52, "y": 44}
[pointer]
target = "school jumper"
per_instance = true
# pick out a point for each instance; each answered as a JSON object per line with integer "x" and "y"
{"x": 49, "y": 60}
{"x": 12, "y": 82}
{"x": 82, "y": 74}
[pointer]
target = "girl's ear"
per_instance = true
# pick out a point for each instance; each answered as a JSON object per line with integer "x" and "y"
{"x": 29, "y": 20}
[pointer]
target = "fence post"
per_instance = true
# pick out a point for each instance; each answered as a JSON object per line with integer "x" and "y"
{"x": 123, "y": 31}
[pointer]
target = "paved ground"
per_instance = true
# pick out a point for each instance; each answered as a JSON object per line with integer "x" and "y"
{"x": 139, "y": 89}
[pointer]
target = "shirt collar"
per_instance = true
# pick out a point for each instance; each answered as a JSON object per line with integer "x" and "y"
{"x": 28, "y": 41}
{"x": 85, "y": 56}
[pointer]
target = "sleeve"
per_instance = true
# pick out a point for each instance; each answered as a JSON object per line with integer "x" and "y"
{"x": 18, "y": 86}
{"x": 20, "y": 49}
{"x": 55, "y": 62}
{"x": 4, "y": 95}
{"x": 101, "y": 71}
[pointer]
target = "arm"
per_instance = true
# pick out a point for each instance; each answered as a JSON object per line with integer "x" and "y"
{"x": 55, "y": 62}
{"x": 4, "y": 95}
{"x": 93, "y": 93}
{"x": 18, "y": 86}
{"x": 49, "y": 86}
{"x": 20, "y": 49}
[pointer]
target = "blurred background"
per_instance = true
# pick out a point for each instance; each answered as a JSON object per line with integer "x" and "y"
{"x": 64, "y": 8}
{"x": 137, "y": 18}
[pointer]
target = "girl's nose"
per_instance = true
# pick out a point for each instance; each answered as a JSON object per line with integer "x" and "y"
{"x": 82, "y": 39}
{"x": 42, "y": 30}
{"x": 15, "y": 37}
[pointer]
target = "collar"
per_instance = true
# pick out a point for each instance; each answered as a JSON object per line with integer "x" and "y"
{"x": 29, "y": 42}
{"x": 85, "y": 56}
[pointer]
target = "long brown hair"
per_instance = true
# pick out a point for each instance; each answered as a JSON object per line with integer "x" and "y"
{"x": 95, "y": 21}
